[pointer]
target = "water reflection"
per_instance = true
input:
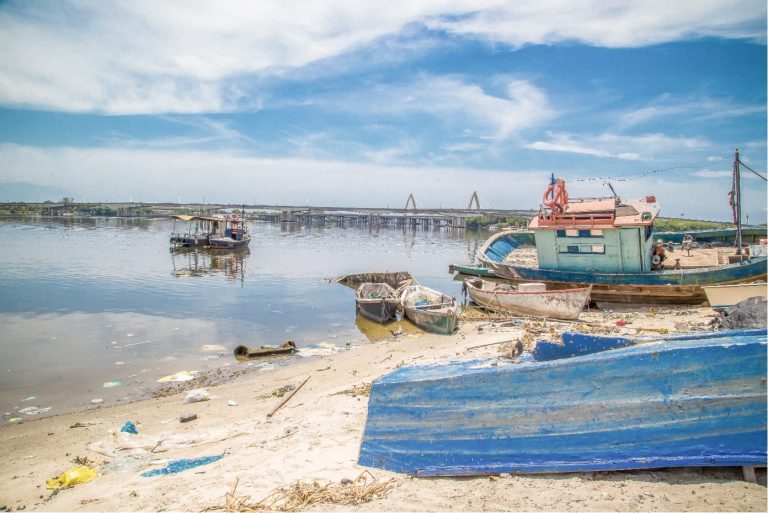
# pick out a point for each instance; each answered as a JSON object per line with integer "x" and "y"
{"x": 376, "y": 332}
{"x": 194, "y": 262}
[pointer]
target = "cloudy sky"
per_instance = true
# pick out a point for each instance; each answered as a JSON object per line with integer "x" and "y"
{"x": 359, "y": 103}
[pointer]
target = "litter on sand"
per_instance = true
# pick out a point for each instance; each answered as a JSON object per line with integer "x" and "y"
{"x": 178, "y": 377}
{"x": 71, "y": 477}
{"x": 181, "y": 465}
{"x": 129, "y": 427}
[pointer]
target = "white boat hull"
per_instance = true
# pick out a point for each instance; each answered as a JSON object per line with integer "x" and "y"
{"x": 723, "y": 296}
{"x": 558, "y": 304}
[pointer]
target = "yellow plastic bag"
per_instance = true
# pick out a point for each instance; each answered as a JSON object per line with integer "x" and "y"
{"x": 71, "y": 477}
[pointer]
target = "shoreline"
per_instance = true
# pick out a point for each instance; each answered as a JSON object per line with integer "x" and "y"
{"x": 315, "y": 436}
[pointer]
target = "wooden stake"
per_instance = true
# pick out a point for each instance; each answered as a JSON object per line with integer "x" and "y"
{"x": 749, "y": 474}
{"x": 287, "y": 398}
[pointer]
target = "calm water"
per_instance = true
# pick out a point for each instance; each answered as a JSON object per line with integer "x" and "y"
{"x": 85, "y": 302}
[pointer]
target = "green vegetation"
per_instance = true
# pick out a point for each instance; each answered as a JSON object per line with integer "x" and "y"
{"x": 481, "y": 222}
{"x": 104, "y": 211}
{"x": 669, "y": 224}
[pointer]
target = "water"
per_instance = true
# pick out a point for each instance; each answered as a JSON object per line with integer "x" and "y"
{"x": 86, "y": 302}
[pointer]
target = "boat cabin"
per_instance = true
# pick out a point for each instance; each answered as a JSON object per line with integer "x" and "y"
{"x": 596, "y": 234}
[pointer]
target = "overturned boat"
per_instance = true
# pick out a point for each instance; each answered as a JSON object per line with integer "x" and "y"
{"x": 590, "y": 403}
{"x": 528, "y": 298}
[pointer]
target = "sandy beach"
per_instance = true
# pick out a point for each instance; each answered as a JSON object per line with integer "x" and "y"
{"x": 315, "y": 437}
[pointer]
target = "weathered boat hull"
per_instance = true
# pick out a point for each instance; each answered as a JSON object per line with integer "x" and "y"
{"x": 723, "y": 296}
{"x": 441, "y": 316}
{"x": 379, "y": 309}
{"x": 558, "y": 304}
{"x": 188, "y": 241}
{"x": 669, "y": 286}
{"x": 696, "y": 402}
{"x": 472, "y": 270}
{"x": 228, "y": 242}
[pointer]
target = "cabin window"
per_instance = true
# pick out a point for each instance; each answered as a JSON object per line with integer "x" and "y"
{"x": 572, "y": 249}
{"x": 571, "y": 233}
{"x": 596, "y": 233}
{"x": 600, "y": 248}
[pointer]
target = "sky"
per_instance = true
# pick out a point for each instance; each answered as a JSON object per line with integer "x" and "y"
{"x": 356, "y": 103}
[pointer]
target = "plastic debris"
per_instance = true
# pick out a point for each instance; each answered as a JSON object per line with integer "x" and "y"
{"x": 179, "y": 376}
{"x": 207, "y": 348}
{"x": 620, "y": 323}
{"x": 97, "y": 401}
{"x": 129, "y": 427}
{"x": 113, "y": 384}
{"x": 127, "y": 464}
{"x": 71, "y": 477}
{"x": 232, "y": 402}
{"x": 197, "y": 395}
{"x": 14, "y": 420}
{"x": 34, "y": 410}
{"x": 181, "y": 465}
{"x": 30, "y": 398}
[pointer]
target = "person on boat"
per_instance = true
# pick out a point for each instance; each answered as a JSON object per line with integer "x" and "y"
{"x": 658, "y": 256}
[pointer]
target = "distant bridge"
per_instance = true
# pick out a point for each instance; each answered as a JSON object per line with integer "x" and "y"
{"x": 288, "y": 213}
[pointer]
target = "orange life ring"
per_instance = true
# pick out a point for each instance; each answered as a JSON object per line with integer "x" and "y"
{"x": 559, "y": 196}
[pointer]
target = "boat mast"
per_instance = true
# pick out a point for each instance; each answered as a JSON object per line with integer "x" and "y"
{"x": 737, "y": 200}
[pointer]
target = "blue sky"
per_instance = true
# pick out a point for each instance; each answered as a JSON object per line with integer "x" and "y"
{"x": 355, "y": 103}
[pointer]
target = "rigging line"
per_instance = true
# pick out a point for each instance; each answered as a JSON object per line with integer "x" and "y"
{"x": 630, "y": 176}
{"x": 758, "y": 174}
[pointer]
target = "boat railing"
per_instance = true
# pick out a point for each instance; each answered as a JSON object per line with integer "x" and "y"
{"x": 553, "y": 219}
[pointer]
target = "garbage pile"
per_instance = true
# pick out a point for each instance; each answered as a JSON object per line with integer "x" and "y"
{"x": 749, "y": 314}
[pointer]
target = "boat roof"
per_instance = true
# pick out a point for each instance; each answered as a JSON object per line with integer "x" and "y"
{"x": 599, "y": 213}
{"x": 183, "y": 217}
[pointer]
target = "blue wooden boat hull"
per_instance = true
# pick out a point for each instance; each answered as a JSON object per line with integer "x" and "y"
{"x": 687, "y": 402}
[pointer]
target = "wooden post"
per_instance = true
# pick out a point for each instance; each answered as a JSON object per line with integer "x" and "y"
{"x": 749, "y": 474}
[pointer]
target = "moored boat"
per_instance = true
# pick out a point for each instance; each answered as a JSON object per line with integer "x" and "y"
{"x": 377, "y": 301}
{"x": 199, "y": 229}
{"x": 472, "y": 270}
{"x": 723, "y": 296}
{"x": 232, "y": 233}
{"x": 609, "y": 244}
{"x": 696, "y": 400}
{"x": 429, "y": 309}
{"x": 528, "y": 298}
{"x": 394, "y": 279}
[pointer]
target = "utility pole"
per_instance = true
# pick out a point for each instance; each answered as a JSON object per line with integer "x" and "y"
{"x": 737, "y": 184}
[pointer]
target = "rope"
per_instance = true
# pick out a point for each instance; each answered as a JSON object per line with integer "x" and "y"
{"x": 758, "y": 174}
{"x": 631, "y": 176}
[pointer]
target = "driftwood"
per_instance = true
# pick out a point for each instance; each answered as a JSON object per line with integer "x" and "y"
{"x": 245, "y": 352}
{"x": 287, "y": 397}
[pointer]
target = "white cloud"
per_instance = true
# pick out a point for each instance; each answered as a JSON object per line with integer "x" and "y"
{"x": 521, "y": 105}
{"x": 611, "y": 24}
{"x": 624, "y": 147}
{"x": 706, "y": 173}
{"x": 143, "y": 56}
{"x": 692, "y": 109}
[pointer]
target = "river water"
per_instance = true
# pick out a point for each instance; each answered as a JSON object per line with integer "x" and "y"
{"x": 99, "y": 308}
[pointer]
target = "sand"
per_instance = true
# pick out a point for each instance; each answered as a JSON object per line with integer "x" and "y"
{"x": 316, "y": 435}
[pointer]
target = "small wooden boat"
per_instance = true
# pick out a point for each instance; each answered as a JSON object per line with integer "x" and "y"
{"x": 723, "y": 296}
{"x": 377, "y": 301}
{"x": 429, "y": 309}
{"x": 394, "y": 279}
{"x": 246, "y": 353}
{"x": 528, "y": 298}
{"x": 232, "y": 235}
{"x": 698, "y": 400}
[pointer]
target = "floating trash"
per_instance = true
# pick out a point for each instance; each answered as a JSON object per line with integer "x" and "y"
{"x": 34, "y": 410}
{"x": 113, "y": 384}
